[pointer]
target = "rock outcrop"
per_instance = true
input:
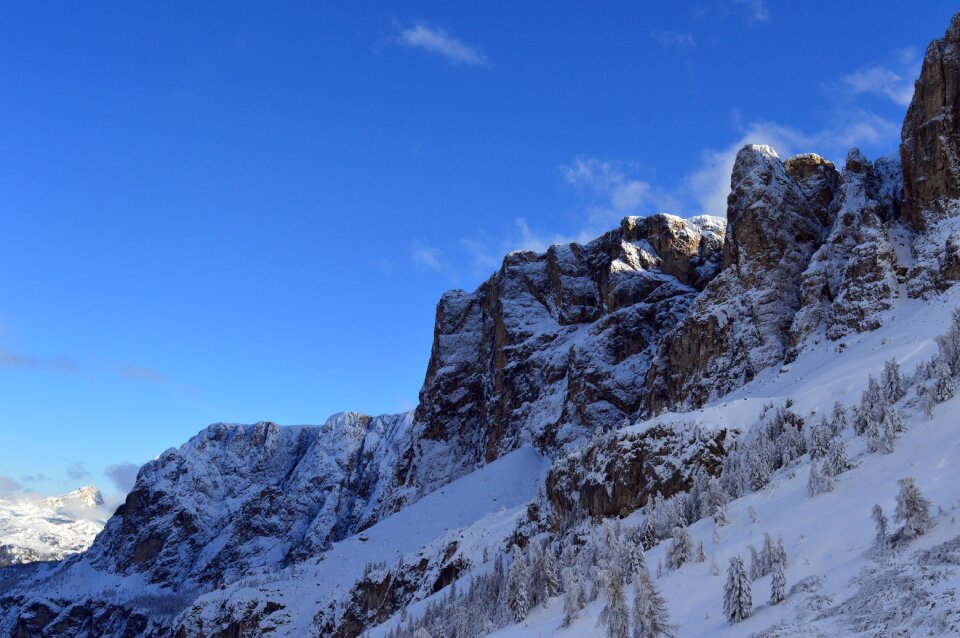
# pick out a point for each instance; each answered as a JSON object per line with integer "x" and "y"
{"x": 930, "y": 147}
{"x": 852, "y": 277}
{"x": 552, "y": 345}
{"x": 740, "y": 323}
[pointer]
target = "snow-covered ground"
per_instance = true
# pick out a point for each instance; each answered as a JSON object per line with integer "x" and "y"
{"x": 827, "y": 537}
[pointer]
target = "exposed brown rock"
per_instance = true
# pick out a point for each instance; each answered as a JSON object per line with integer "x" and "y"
{"x": 930, "y": 147}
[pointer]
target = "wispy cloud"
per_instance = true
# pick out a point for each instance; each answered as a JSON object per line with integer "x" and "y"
{"x": 123, "y": 475}
{"x": 757, "y": 10}
{"x": 428, "y": 258}
{"x": 442, "y": 43}
{"x": 677, "y": 40}
{"x": 613, "y": 190}
{"x": 894, "y": 81}
{"x": 19, "y": 360}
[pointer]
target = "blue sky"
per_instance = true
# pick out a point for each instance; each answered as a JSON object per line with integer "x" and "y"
{"x": 235, "y": 212}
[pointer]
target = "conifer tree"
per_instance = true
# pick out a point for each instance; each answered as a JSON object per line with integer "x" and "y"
{"x": 944, "y": 386}
{"x": 681, "y": 549}
{"x": 891, "y": 383}
{"x": 837, "y": 462}
{"x": 701, "y": 554}
{"x": 881, "y": 542}
{"x": 820, "y": 437}
{"x": 838, "y": 420}
{"x": 737, "y": 593}
{"x": 650, "y": 617}
{"x": 575, "y": 596}
{"x": 913, "y": 510}
{"x": 778, "y": 583}
{"x": 615, "y": 616}
{"x": 649, "y": 535}
{"x": 551, "y": 572}
{"x": 518, "y": 583}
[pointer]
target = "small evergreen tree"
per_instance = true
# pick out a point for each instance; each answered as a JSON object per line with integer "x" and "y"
{"x": 518, "y": 583}
{"x": 913, "y": 510}
{"x": 615, "y": 616}
{"x": 944, "y": 385}
{"x": 648, "y": 537}
{"x": 575, "y": 596}
{"x": 681, "y": 550}
{"x": 838, "y": 420}
{"x": 759, "y": 472}
{"x": 818, "y": 483}
{"x": 891, "y": 382}
{"x": 778, "y": 583}
{"x": 837, "y": 462}
{"x": 701, "y": 554}
{"x": 820, "y": 437}
{"x": 881, "y": 542}
{"x": 551, "y": 573}
{"x": 737, "y": 593}
{"x": 650, "y": 617}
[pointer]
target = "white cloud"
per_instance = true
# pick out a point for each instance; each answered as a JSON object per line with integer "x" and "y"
{"x": 123, "y": 475}
{"x": 756, "y": 9}
{"x": 895, "y": 83}
{"x": 428, "y": 257}
{"x": 442, "y": 43}
{"x": 613, "y": 192}
{"x": 679, "y": 40}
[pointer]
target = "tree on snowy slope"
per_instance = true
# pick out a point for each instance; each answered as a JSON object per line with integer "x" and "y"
{"x": 881, "y": 542}
{"x": 614, "y": 616}
{"x": 575, "y": 596}
{"x": 891, "y": 383}
{"x": 836, "y": 462}
{"x": 778, "y": 583}
{"x": 949, "y": 344}
{"x": 737, "y": 593}
{"x": 913, "y": 510}
{"x": 838, "y": 420}
{"x": 681, "y": 549}
{"x": 518, "y": 583}
{"x": 820, "y": 436}
{"x": 818, "y": 481}
{"x": 650, "y": 617}
{"x": 944, "y": 385}
{"x": 633, "y": 552}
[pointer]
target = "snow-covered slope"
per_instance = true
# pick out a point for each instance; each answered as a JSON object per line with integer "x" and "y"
{"x": 38, "y": 529}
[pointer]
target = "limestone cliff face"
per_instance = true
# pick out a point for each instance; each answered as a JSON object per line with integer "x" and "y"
{"x": 553, "y": 344}
{"x": 930, "y": 148}
{"x": 930, "y": 153}
{"x": 740, "y": 323}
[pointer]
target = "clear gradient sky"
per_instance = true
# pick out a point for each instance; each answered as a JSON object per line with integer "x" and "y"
{"x": 244, "y": 211}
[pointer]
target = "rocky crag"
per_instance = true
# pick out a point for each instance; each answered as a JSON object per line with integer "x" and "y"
{"x": 660, "y": 314}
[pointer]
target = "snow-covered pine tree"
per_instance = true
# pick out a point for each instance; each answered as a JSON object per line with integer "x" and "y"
{"x": 913, "y": 510}
{"x": 838, "y": 420}
{"x": 615, "y": 617}
{"x": 518, "y": 584}
{"x": 714, "y": 568}
{"x": 551, "y": 573}
{"x": 820, "y": 436}
{"x": 648, "y": 537}
{"x": 891, "y": 382}
{"x": 537, "y": 573}
{"x": 780, "y": 553}
{"x": 817, "y": 482}
{"x": 944, "y": 385}
{"x": 759, "y": 471}
{"x": 881, "y": 542}
{"x": 778, "y": 583}
{"x": 575, "y": 596}
{"x": 949, "y": 344}
{"x": 650, "y": 617}
{"x": 634, "y": 556}
{"x": 837, "y": 462}
{"x": 737, "y": 593}
{"x": 756, "y": 564}
{"x": 701, "y": 554}
{"x": 681, "y": 548}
